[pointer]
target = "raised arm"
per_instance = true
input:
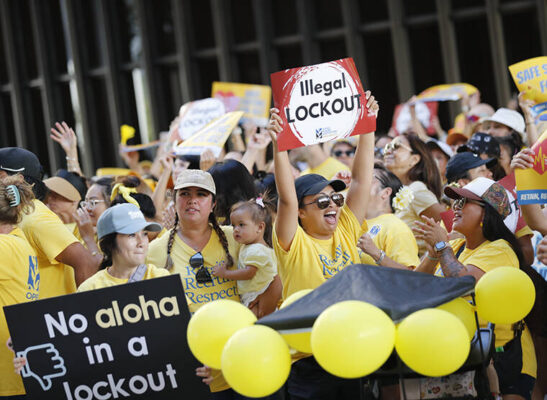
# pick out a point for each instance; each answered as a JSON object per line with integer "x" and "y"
{"x": 363, "y": 164}
{"x": 65, "y": 136}
{"x": 287, "y": 207}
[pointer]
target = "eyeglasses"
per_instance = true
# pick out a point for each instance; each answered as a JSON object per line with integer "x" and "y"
{"x": 324, "y": 201}
{"x": 393, "y": 146}
{"x": 202, "y": 274}
{"x": 460, "y": 203}
{"x": 91, "y": 204}
{"x": 348, "y": 153}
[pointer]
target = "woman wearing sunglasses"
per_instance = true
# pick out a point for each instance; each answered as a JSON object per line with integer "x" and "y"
{"x": 410, "y": 159}
{"x": 480, "y": 209}
{"x": 195, "y": 245}
{"x": 315, "y": 237}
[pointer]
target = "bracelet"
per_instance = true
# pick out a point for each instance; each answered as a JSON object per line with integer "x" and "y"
{"x": 94, "y": 253}
{"x": 381, "y": 258}
{"x": 70, "y": 159}
{"x": 431, "y": 258}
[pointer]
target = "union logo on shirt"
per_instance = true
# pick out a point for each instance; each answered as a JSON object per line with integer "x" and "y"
{"x": 331, "y": 266}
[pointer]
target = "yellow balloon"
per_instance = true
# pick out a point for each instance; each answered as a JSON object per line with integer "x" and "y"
{"x": 352, "y": 339}
{"x": 432, "y": 342}
{"x": 212, "y": 325}
{"x": 504, "y": 295}
{"x": 256, "y": 361}
{"x": 298, "y": 341}
{"x": 464, "y": 311}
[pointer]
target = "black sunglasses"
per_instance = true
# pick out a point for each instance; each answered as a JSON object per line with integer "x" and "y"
{"x": 202, "y": 274}
{"x": 324, "y": 200}
{"x": 348, "y": 153}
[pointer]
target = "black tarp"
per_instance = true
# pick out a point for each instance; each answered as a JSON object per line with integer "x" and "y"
{"x": 397, "y": 292}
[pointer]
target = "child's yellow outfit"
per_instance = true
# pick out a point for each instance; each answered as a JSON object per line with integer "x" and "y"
{"x": 263, "y": 258}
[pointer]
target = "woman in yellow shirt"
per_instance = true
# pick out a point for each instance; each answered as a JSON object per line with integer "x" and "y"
{"x": 19, "y": 274}
{"x": 410, "y": 159}
{"x": 124, "y": 244}
{"x": 479, "y": 212}
{"x": 315, "y": 237}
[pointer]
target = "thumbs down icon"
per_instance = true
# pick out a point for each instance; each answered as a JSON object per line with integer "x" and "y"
{"x": 55, "y": 364}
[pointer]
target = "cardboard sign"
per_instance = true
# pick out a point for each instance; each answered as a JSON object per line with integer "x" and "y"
{"x": 196, "y": 114}
{"x": 447, "y": 92}
{"x": 213, "y": 136}
{"x": 532, "y": 182}
{"x": 253, "y": 100}
{"x": 138, "y": 147}
{"x": 319, "y": 103}
{"x": 531, "y": 76}
{"x": 425, "y": 111}
{"x": 125, "y": 341}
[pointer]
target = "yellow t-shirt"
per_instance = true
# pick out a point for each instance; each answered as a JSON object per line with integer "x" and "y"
{"x": 423, "y": 199}
{"x": 19, "y": 283}
{"x": 198, "y": 294}
{"x": 328, "y": 168}
{"x": 487, "y": 256}
{"x": 524, "y": 231}
{"x": 263, "y": 258}
{"x": 48, "y": 236}
{"x": 103, "y": 279}
{"x": 310, "y": 262}
{"x": 393, "y": 236}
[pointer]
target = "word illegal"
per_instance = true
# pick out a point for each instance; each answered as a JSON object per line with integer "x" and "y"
{"x": 320, "y": 109}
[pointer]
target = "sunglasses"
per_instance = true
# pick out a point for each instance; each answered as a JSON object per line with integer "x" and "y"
{"x": 91, "y": 204}
{"x": 202, "y": 274}
{"x": 348, "y": 153}
{"x": 460, "y": 203}
{"x": 393, "y": 146}
{"x": 324, "y": 201}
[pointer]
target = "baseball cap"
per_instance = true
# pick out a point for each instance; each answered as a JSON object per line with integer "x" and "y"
{"x": 510, "y": 118}
{"x": 465, "y": 161}
{"x": 454, "y": 137}
{"x": 67, "y": 184}
{"x": 124, "y": 218}
{"x": 15, "y": 160}
{"x": 442, "y": 146}
{"x": 481, "y": 143}
{"x": 197, "y": 178}
{"x": 311, "y": 184}
{"x": 483, "y": 189}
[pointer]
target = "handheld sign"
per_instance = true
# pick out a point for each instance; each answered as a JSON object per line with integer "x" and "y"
{"x": 319, "y": 103}
{"x": 425, "y": 111}
{"x": 197, "y": 114}
{"x": 532, "y": 182}
{"x": 253, "y": 100}
{"x": 447, "y": 92}
{"x": 213, "y": 136}
{"x": 125, "y": 341}
{"x": 531, "y": 76}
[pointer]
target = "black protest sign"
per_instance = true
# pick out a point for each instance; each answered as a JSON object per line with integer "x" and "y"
{"x": 125, "y": 341}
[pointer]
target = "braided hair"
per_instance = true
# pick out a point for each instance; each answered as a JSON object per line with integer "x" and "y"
{"x": 169, "y": 264}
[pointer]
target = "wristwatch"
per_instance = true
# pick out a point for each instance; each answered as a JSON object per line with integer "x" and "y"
{"x": 440, "y": 246}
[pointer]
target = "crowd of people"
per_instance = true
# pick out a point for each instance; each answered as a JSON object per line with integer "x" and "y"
{"x": 256, "y": 225}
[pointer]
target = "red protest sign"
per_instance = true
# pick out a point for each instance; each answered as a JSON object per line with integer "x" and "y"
{"x": 319, "y": 103}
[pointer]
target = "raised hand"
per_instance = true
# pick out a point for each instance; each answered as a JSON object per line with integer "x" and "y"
{"x": 65, "y": 136}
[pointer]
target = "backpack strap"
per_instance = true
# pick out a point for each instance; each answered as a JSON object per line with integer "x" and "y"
{"x": 138, "y": 274}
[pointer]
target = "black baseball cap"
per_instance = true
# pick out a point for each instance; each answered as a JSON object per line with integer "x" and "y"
{"x": 465, "y": 161}
{"x": 482, "y": 143}
{"x": 311, "y": 184}
{"x": 15, "y": 160}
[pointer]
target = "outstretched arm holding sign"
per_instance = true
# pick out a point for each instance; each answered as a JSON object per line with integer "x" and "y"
{"x": 363, "y": 164}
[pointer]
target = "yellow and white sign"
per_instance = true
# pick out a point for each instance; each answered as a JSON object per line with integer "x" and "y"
{"x": 447, "y": 92}
{"x": 531, "y": 76}
{"x": 254, "y": 100}
{"x": 532, "y": 182}
{"x": 212, "y": 136}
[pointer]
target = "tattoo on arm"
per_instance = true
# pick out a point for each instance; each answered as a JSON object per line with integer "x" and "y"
{"x": 450, "y": 265}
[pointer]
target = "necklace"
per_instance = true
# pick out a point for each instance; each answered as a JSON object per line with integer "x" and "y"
{"x": 195, "y": 245}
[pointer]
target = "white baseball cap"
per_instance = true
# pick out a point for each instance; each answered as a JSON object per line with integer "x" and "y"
{"x": 509, "y": 118}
